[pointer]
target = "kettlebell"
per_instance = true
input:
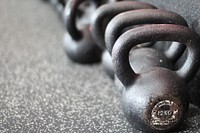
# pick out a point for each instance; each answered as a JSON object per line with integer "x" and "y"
{"x": 140, "y": 17}
{"x": 78, "y": 43}
{"x": 175, "y": 50}
{"x": 155, "y": 99}
{"x": 101, "y": 18}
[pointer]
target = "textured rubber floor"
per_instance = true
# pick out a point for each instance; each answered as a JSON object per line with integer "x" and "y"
{"x": 41, "y": 90}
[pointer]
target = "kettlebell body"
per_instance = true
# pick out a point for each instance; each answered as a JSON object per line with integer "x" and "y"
{"x": 157, "y": 105}
{"x": 143, "y": 59}
{"x": 86, "y": 48}
{"x": 155, "y": 99}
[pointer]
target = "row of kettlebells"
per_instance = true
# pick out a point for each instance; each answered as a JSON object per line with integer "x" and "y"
{"x": 151, "y": 54}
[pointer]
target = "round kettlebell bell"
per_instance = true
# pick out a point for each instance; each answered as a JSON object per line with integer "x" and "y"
{"x": 140, "y": 17}
{"x": 156, "y": 100}
{"x": 78, "y": 43}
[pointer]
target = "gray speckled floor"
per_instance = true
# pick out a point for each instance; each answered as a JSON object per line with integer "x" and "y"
{"x": 41, "y": 90}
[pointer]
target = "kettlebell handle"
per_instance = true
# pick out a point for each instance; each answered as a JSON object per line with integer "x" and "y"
{"x": 70, "y": 14}
{"x": 139, "y": 17}
{"x": 151, "y": 33}
{"x": 107, "y": 12}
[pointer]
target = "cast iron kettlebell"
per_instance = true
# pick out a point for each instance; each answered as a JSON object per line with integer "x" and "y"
{"x": 140, "y": 17}
{"x": 78, "y": 43}
{"x": 101, "y": 18}
{"x": 156, "y": 99}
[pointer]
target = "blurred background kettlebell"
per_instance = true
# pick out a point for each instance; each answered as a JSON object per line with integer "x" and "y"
{"x": 78, "y": 42}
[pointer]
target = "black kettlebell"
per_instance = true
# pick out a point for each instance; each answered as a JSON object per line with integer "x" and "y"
{"x": 101, "y": 18}
{"x": 78, "y": 43}
{"x": 155, "y": 99}
{"x": 140, "y": 17}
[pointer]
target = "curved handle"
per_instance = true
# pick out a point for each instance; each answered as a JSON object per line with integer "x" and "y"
{"x": 107, "y": 12}
{"x": 70, "y": 15}
{"x": 150, "y": 33}
{"x": 139, "y": 17}
{"x": 174, "y": 52}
